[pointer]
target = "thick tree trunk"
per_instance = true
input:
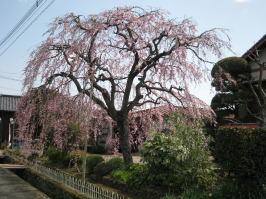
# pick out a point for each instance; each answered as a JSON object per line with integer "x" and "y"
{"x": 123, "y": 128}
{"x": 263, "y": 114}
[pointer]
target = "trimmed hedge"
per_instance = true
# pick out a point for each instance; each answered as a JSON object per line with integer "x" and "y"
{"x": 241, "y": 154}
{"x": 92, "y": 161}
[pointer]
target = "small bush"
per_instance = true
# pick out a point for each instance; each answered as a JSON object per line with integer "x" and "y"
{"x": 105, "y": 168}
{"x": 121, "y": 175}
{"x": 135, "y": 175}
{"x": 92, "y": 161}
{"x": 58, "y": 157}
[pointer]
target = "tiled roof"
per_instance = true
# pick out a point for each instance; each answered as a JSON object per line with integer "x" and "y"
{"x": 8, "y": 102}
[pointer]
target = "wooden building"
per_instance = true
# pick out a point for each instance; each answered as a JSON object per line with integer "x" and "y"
{"x": 8, "y": 107}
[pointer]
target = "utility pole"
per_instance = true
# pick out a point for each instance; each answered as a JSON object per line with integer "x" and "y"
{"x": 84, "y": 163}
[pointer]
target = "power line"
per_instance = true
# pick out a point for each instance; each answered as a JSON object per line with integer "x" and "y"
{"x": 27, "y": 27}
{"x": 7, "y": 88}
{"x": 10, "y": 73}
{"x": 22, "y": 21}
{"x": 9, "y": 78}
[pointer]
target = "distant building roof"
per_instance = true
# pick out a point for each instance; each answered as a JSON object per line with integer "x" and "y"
{"x": 9, "y": 102}
{"x": 257, "y": 46}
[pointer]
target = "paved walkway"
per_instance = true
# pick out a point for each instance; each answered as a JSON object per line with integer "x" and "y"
{"x": 13, "y": 187}
{"x": 12, "y": 166}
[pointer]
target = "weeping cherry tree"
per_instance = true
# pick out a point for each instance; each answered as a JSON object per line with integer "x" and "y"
{"x": 125, "y": 59}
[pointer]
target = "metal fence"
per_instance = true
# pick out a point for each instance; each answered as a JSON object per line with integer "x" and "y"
{"x": 91, "y": 190}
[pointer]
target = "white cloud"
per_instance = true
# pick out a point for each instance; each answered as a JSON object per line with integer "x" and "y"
{"x": 241, "y": 1}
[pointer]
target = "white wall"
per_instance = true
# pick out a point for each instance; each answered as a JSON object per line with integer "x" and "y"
{"x": 255, "y": 74}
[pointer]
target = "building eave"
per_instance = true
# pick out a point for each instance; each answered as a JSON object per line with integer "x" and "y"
{"x": 257, "y": 46}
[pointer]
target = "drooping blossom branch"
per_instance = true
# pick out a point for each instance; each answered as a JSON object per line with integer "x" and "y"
{"x": 46, "y": 117}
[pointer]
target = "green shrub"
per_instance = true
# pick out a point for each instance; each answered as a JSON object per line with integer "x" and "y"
{"x": 138, "y": 175}
{"x": 92, "y": 161}
{"x": 58, "y": 157}
{"x": 180, "y": 159}
{"x": 135, "y": 175}
{"x": 169, "y": 197}
{"x": 72, "y": 134}
{"x": 194, "y": 194}
{"x": 115, "y": 163}
{"x": 230, "y": 189}
{"x": 105, "y": 168}
{"x": 121, "y": 175}
{"x": 241, "y": 154}
{"x": 241, "y": 151}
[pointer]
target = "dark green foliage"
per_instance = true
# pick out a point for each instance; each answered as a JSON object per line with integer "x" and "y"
{"x": 241, "y": 154}
{"x": 92, "y": 162}
{"x": 230, "y": 77}
{"x": 169, "y": 197}
{"x": 98, "y": 149}
{"x": 224, "y": 104}
{"x": 242, "y": 151}
{"x": 138, "y": 175}
{"x": 232, "y": 103}
{"x": 230, "y": 189}
{"x": 232, "y": 65}
{"x": 193, "y": 193}
{"x": 180, "y": 159}
{"x": 58, "y": 157}
{"x": 105, "y": 168}
{"x": 223, "y": 99}
{"x": 72, "y": 134}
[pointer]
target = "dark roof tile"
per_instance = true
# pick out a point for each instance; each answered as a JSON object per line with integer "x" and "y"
{"x": 9, "y": 102}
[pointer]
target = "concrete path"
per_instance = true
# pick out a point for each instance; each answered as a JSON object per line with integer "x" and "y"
{"x": 12, "y": 166}
{"x": 13, "y": 187}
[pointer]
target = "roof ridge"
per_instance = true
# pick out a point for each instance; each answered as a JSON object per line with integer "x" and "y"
{"x": 8, "y": 95}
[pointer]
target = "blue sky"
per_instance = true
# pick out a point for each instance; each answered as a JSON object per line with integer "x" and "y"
{"x": 244, "y": 20}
